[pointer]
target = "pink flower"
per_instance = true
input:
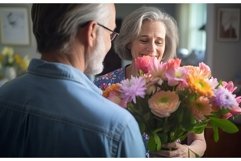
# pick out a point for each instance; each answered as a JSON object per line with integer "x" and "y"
{"x": 213, "y": 82}
{"x": 163, "y": 103}
{"x": 235, "y": 110}
{"x": 133, "y": 88}
{"x": 204, "y": 70}
{"x": 146, "y": 63}
{"x": 172, "y": 64}
{"x": 176, "y": 76}
{"x": 116, "y": 98}
{"x": 232, "y": 112}
{"x": 229, "y": 86}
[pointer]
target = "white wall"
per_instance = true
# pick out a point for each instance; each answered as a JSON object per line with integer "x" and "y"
{"x": 26, "y": 49}
{"x": 223, "y": 57}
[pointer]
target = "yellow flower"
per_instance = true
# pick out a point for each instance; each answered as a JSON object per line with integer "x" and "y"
{"x": 7, "y": 56}
{"x": 10, "y": 59}
{"x": 7, "y": 51}
{"x": 22, "y": 62}
{"x": 199, "y": 85}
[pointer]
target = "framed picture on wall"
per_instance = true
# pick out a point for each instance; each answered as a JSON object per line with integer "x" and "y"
{"x": 228, "y": 24}
{"x": 14, "y": 26}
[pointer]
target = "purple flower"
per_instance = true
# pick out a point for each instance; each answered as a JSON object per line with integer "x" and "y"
{"x": 225, "y": 98}
{"x": 132, "y": 88}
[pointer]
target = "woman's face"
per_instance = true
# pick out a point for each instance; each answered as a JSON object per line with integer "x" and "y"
{"x": 151, "y": 40}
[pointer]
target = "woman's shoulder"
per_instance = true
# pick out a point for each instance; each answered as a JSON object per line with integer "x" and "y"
{"x": 107, "y": 79}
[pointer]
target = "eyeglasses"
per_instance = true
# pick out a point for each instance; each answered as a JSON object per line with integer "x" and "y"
{"x": 113, "y": 35}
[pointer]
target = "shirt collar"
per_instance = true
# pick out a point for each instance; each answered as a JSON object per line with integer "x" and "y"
{"x": 61, "y": 71}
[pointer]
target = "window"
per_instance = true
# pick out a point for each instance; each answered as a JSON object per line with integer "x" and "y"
{"x": 191, "y": 18}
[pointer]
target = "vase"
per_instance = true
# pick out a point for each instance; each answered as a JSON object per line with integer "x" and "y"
{"x": 10, "y": 73}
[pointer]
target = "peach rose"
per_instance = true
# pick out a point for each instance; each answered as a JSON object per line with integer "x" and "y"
{"x": 163, "y": 103}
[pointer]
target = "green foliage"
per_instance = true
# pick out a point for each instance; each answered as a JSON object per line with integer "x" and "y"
{"x": 224, "y": 125}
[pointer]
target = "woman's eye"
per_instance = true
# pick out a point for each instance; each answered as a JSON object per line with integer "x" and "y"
{"x": 144, "y": 41}
{"x": 159, "y": 42}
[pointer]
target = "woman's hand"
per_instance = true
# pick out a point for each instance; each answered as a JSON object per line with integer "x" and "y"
{"x": 195, "y": 147}
{"x": 174, "y": 149}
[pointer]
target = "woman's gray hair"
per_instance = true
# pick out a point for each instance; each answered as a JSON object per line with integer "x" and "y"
{"x": 131, "y": 27}
{"x": 55, "y": 25}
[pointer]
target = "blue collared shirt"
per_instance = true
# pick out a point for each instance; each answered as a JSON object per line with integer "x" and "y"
{"x": 55, "y": 110}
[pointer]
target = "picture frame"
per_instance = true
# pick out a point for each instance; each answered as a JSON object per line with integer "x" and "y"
{"x": 228, "y": 24}
{"x": 14, "y": 26}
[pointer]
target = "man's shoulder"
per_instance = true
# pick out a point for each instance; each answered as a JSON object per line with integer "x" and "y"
{"x": 112, "y": 112}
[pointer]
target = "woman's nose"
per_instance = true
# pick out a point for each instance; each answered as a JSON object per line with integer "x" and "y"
{"x": 150, "y": 49}
{"x": 151, "y": 46}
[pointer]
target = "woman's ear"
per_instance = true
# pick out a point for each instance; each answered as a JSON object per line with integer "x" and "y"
{"x": 129, "y": 46}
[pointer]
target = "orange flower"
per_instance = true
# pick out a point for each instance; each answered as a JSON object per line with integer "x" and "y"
{"x": 201, "y": 108}
{"x": 202, "y": 70}
{"x": 111, "y": 88}
{"x": 199, "y": 85}
{"x": 113, "y": 94}
{"x": 163, "y": 103}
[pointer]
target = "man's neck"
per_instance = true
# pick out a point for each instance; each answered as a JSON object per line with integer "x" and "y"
{"x": 74, "y": 59}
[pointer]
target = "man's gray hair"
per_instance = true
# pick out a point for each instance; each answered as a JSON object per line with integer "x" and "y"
{"x": 55, "y": 25}
{"x": 131, "y": 27}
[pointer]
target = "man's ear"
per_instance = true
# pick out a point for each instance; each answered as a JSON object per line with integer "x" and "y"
{"x": 91, "y": 33}
{"x": 88, "y": 33}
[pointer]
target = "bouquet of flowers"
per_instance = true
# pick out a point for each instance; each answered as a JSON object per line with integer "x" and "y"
{"x": 169, "y": 100}
{"x": 8, "y": 59}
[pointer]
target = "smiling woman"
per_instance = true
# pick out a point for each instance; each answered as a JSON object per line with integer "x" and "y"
{"x": 192, "y": 39}
{"x": 148, "y": 31}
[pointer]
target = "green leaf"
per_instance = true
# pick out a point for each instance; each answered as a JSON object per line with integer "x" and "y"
{"x": 158, "y": 130}
{"x": 151, "y": 144}
{"x": 225, "y": 125}
{"x": 188, "y": 122}
{"x": 157, "y": 141}
{"x": 199, "y": 129}
{"x": 215, "y": 134}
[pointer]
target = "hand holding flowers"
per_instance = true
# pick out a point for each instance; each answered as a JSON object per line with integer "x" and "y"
{"x": 169, "y": 100}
